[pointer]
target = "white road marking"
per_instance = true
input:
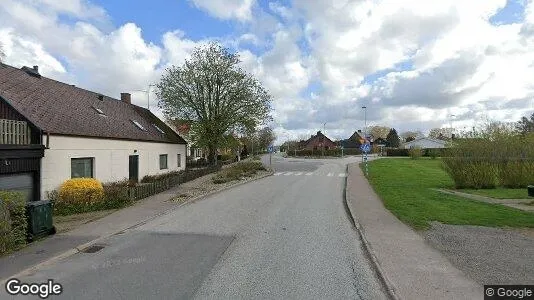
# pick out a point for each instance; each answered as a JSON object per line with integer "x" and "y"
{"x": 298, "y": 174}
{"x": 309, "y": 174}
{"x": 342, "y": 175}
{"x": 288, "y": 173}
{"x": 278, "y": 173}
{"x": 330, "y": 174}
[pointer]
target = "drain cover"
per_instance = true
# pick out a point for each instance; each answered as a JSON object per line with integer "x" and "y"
{"x": 93, "y": 249}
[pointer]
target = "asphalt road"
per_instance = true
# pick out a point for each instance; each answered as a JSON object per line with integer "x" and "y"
{"x": 282, "y": 237}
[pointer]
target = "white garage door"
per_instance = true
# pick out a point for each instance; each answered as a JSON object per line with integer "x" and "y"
{"x": 18, "y": 182}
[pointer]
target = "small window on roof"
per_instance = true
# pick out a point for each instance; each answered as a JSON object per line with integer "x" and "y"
{"x": 99, "y": 111}
{"x": 138, "y": 125}
{"x": 159, "y": 129}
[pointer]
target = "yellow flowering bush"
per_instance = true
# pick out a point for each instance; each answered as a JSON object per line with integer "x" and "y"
{"x": 81, "y": 191}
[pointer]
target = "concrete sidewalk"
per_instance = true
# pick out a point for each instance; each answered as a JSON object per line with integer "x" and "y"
{"x": 411, "y": 267}
{"x": 122, "y": 219}
{"x": 50, "y": 248}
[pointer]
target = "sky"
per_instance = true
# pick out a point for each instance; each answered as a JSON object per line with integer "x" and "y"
{"x": 414, "y": 64}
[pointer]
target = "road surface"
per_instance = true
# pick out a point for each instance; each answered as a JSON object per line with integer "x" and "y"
{"x": 286, "y": 236}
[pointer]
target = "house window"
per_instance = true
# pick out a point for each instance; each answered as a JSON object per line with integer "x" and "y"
{"x": 81, "y": 167}
{"x": 163, "y": 161}
{"x": 179, "y": 160}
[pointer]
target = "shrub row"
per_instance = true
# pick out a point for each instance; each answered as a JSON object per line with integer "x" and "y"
{"x": 506, "y": 161}
{"x": 329, "y": 152}
{"x": 77, "y": 197}
{"x": 238, "y": 171}
{"x": 13, "y": 222}
{"x": 429, "y": 152}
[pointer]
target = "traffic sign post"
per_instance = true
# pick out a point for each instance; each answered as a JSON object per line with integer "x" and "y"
{"x": 365, "y": 148}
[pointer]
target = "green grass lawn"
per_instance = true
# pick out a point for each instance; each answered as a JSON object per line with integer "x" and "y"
{"x": 405, "y": 187}
{"x": 500, "y": 193}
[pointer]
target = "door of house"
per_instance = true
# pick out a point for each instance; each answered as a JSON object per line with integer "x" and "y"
{"x": 134, "y": 168}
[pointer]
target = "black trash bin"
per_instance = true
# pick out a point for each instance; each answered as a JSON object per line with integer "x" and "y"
{"x": 530, "y": 190}
{"x": 39, "y": 216}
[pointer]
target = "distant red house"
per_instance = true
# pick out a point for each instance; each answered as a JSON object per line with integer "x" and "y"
{"x": 318, "y": 142}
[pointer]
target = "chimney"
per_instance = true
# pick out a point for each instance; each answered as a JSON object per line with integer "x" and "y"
{"x": 359, "y": 131}
{"x": 126, "y": 97}
{"x": 36, "y": 69}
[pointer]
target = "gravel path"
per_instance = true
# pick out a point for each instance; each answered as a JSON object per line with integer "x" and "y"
{"x": 487, "y": 255}
{"x": 205, "y": 185}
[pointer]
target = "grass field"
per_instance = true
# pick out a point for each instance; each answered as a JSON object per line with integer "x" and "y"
{"x": 405, "y": 187}
{"x": 500, "y": 193}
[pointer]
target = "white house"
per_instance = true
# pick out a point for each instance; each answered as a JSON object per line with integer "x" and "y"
{"x": 71, "y": 132}
{"x": 425, "y": 143}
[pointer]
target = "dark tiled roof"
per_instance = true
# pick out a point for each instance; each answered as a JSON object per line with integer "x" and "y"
{"x": 60, "y": 108}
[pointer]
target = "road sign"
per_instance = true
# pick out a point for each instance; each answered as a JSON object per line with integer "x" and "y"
{"x": 342, "y": 147}
{"x": 365, "y": 148}
{"x": 270, "y": 149}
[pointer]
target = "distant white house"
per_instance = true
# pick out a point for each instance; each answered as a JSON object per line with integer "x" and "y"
{"x": 425, "y": 143}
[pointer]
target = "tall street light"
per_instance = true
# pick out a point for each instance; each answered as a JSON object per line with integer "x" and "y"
{"x": 147, "y": 91}
{"x": 324, "y": 125}
{"x": 365, "y": 121}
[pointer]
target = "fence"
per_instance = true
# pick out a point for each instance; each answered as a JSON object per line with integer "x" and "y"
{"x": 14, "y": 132}
{"x": 148, "y": 189}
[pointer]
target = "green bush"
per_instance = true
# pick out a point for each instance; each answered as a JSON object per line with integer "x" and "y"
{"x": 238, "y": 171}
{"x": 13, "y": 222}
{"x": 154, "y": 178}
{"x": 318, "y": 153}
{"x": 499, "y": 160}
{"x": 433, "y": 152}
{"x": 415, "y": 152}
{"x": 397, "y": 152}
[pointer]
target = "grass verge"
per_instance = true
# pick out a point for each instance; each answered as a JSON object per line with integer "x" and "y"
{"x": 500, "y": 193}
{"x": 238, "y": 171}
{"x": 404, "y": 185}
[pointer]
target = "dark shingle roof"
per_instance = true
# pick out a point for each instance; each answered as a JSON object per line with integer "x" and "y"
{"x": 60, "y": 108}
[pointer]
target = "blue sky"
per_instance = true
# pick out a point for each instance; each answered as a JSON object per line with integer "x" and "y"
{"x": 413, "y": 64}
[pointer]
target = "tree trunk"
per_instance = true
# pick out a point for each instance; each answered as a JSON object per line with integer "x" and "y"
{"x": 212, "y": 155}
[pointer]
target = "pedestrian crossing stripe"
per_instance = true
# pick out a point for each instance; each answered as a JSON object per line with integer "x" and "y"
{"x": 309, "y": 174}
{"x": 330, "y": 174}
{"x": 288, "y": 173}
{"x": 342, "y": 175}
{"x": 298, "y": 173}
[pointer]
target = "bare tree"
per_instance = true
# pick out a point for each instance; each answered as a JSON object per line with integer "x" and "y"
{"x": 379, "y": 131}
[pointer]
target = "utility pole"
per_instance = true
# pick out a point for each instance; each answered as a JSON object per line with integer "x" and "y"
{"x": 324, "y": 125}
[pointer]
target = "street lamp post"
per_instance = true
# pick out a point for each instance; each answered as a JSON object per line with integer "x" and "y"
{"x": 324, "y": 125}
{"x": 147, "y": 91}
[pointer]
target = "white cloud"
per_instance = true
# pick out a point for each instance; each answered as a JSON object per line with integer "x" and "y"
{"x": 313, "y": 56}
{"x": 227, "y": 9}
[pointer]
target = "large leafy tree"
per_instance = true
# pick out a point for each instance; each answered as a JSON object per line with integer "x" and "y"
{"x": 215, "y": 94}
{"x": 266, "y": 137}
{"x": 525, "y": 125}
{"x": 393, "y": 138}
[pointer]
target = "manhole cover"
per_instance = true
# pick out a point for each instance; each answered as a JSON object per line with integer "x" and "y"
{"x": 93, "y": 249}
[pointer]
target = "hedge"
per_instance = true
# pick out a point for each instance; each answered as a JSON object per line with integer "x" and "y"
{"x": 428, "y": 152}
{"x": 329, "y": 152}
{"x": 13, "y": 222}
{"x": 123, "y": 193}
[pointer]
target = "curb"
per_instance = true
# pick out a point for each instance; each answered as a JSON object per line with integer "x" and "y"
{"x": 80, "y": 248}
{"x": 388, "y": 286}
